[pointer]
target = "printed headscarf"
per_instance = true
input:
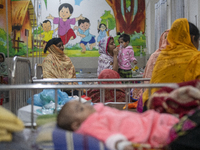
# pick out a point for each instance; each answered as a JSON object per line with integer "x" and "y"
{"x": 105, "y": 60}
{"x": 152, "y": 60}
{"x": 57, "y": 64}
{"x": 54, "y": 41}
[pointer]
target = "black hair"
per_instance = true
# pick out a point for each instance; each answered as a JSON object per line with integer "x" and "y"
{"x": 83, "y": 21}
{"x": 100, "y": 27}
{"x": 45, "y": 22}
{"x": 52, "y": 41}
{"x": 125, "y": 37}
{"x": 194, "y": 31}
{"x": 2, "y": 56}
{"x": 118, "y": 33}
{"x": 66, "y": 5}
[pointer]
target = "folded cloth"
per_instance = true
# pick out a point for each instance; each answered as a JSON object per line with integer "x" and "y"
{"x": 179, "y": 99}
{"x": 5, "y": 135}
{"x": 44, "y": 119}
{"x": 9, "y": 123}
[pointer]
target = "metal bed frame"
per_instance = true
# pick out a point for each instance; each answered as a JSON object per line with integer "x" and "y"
{"x": 34, "y": 87}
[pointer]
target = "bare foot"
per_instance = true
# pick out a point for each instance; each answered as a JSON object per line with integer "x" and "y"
{"x": 71, "y": 38}
{"x": 83, "y": 51}
{"x": 92, "y": 45}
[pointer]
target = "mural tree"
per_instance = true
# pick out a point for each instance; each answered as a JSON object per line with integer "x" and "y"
{"x": 129, "y": 15}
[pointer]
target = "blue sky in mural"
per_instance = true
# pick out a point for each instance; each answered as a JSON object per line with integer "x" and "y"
{"x": 77, "y": 2}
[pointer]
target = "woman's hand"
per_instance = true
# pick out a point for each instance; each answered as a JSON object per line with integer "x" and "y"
{"x": 115, "y": 51}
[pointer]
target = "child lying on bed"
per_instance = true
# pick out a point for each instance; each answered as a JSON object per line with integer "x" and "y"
{"x": 114, "y": 127}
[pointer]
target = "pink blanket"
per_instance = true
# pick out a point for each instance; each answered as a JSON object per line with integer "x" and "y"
{"x": 150, "y": 127}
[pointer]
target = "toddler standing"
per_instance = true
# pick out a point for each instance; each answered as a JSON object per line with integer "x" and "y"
{"x": 125, "y": 57}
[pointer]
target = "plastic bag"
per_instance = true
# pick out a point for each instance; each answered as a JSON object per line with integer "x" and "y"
{"x": 46, "y": 96}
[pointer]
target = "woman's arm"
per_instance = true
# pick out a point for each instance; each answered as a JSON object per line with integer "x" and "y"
{"x": 115, "y": 60}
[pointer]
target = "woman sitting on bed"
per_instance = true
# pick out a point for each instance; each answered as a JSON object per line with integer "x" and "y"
{"x": 114, "y": 127}
{"x": 57, "y": 64}
{"x": 149, "y": 67}
{"x": 94, "y": 94}
{"x": 108, "y": 55}
{"x": 180, "y": 60}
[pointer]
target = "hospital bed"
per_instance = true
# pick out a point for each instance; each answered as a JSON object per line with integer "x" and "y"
{"x": 24, "y": 86}
{"x": 38, "y": 86}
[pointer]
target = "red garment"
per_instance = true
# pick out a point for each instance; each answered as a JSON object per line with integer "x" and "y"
{"x": 65, "y": 38}
{"x": 179, "y": 99}
{"x": 94, "y": 94}
{"x": 110, "y": 125}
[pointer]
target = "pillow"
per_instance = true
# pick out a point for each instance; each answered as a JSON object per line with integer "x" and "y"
{"x": 51, "y": 137}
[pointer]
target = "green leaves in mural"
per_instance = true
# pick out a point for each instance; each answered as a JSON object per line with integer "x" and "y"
{"x": 110, "y": 18}
{"x": 3, "y": 43}
{"x": 38, "y": 30}
{"x": 45, "y": 1}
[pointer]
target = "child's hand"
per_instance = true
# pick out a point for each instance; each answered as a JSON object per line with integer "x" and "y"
{"x": 124, "y": 145}
{"x": 129, "y": 147}
{"x": 76, "y": 27}
{"x": 50, "y": 17}
{"x": 56, "y": 29}
{"x": 78, "y": 33}
{"x": 135, "y": 62}
{"x": 81, "y": 17}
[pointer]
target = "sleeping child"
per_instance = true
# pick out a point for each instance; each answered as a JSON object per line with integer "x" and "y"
{"x": 117, "y": 129}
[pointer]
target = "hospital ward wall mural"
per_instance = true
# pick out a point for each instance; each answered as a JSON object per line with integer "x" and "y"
{"x": 81, "y": 24}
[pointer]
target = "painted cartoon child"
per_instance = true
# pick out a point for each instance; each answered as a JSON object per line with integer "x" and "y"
{"x": 64, "y": 29}
{"x": 83, "y": 31}
{"x": 48, "y": 33}
{"x": 102, "y": 28}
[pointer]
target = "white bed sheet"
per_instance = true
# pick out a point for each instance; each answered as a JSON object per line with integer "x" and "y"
{"x": 24, "y": 113}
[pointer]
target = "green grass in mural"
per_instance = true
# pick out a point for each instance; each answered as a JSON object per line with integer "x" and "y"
{"x": 69, "y": 53}
{"x": 78, "y": 53}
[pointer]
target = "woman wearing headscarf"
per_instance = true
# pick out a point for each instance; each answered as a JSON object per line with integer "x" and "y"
{"x": 57, "y": 64}
{"x": 149, "y": 68}
{"x": 108, "y": 55}
{"x": 94, "y": 94}
{"x": 180, "y": 60}
{"x": 152, "y": 60}
{"x": 3, "y": 70}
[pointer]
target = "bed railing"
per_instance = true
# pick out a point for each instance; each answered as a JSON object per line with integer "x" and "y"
{"x": 94, "y": 81}
{"x": 34, "y": 87}
{"x": 20, "y": 74}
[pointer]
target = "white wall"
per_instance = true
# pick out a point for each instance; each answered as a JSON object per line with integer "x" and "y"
{"x": 191, "y": 12}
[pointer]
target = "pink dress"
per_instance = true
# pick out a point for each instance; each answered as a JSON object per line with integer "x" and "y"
{"x": 125, "y": 57}
{"x": 110, "y": 125}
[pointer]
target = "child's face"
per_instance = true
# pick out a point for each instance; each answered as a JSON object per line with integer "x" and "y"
{"x": 103, "y": 27}
{"x": 80, "y": 111}
{"x": 1, "y": 58}
{"x": 125, "y": 44}
{"x": 84, "y": 26}
{"x": 46, "y": 26}
{"x": 120, "y": 41}
{"x": 65, "y": 13}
